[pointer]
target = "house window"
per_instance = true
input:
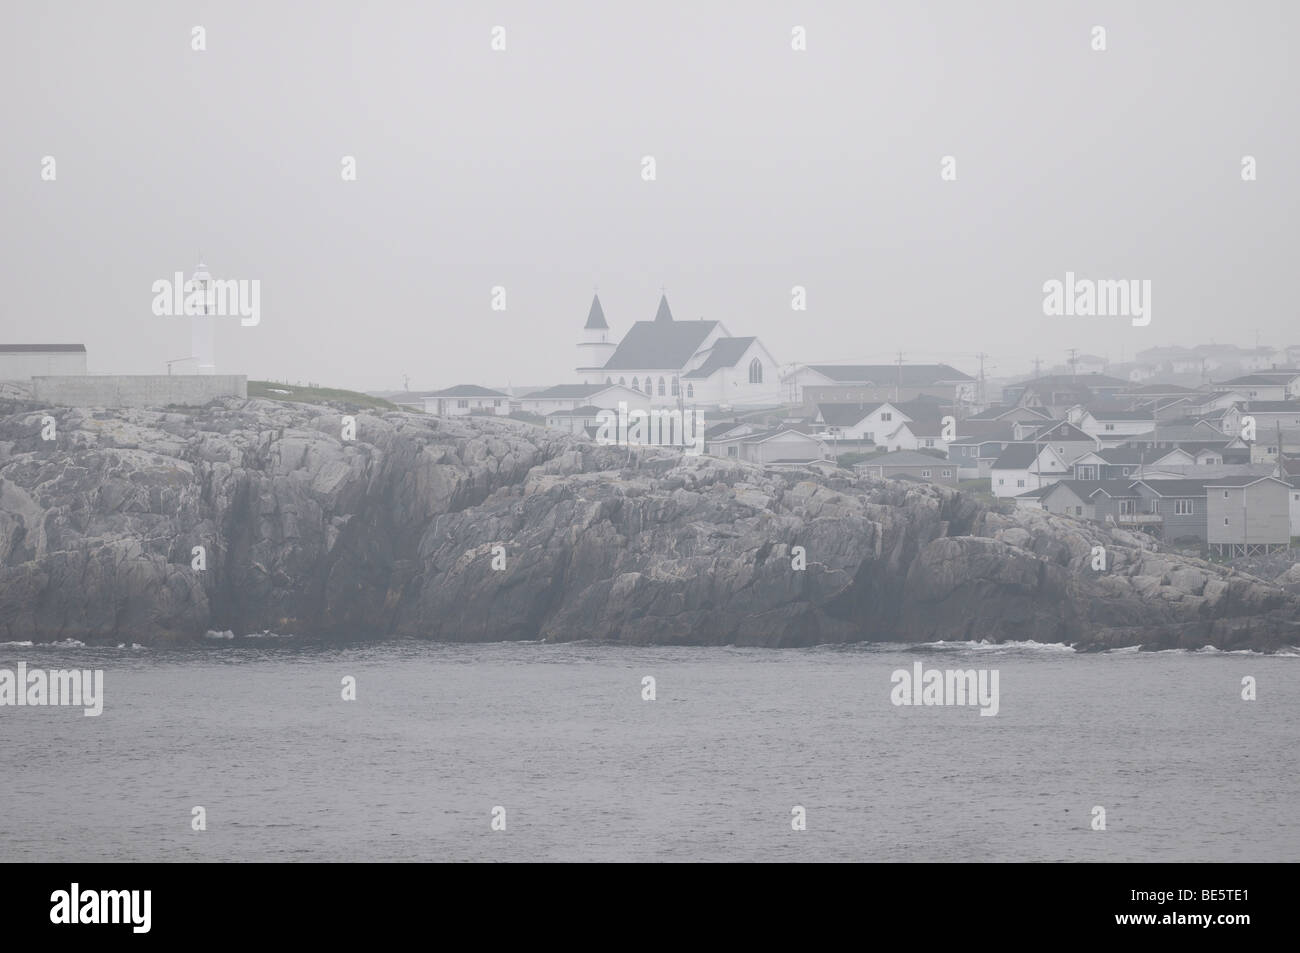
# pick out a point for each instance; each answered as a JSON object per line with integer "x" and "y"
{"x": 1110, "y": 426}
{"x": 1153, "y": 506}
{"x": 462, "y": 404}
{"x": 636, "y": 383}
{"x": 496, "y": 403}
{"x": 756, "y": 371}
{"x": 948, "y": 473}
{"x": 925, "y": 473}
{"x": 1183, "y": 507}
{"x": 1125, "y": 507}
{"x": 609, "y": 381}
{"x": 690, "y": 390}
{"x": 1020, "y": 483}
{"x": 1225, "y": 494}
{"x": 1225, "y": 521}
{"x": 661, "y": 387}
{"x": 1124, "y": 471}
{"x": 1001, "y": 481}
{"x": 929, "y": 441}
{"x": 869, "y": 436}
{"x": 886, "y": 417}
{"x": 677, "y": 387}
{"x": 731, "y": 451}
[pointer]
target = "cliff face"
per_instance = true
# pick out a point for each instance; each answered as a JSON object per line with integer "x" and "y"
{"x": 400, "y": 532}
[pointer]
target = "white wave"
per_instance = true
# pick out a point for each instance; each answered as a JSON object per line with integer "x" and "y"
{"x": 20, "y": 645}
{"x": 213, "y": 634}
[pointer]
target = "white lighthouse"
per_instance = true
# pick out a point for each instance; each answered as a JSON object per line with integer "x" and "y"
{"x": 596, "y": 346}
{"x": 202, "y": 325}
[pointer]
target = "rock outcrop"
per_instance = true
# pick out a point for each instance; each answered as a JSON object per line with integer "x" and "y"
{"x": 405, "y": 530}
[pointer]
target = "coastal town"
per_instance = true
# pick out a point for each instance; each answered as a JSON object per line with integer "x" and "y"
{"x": 1196, "y": 446}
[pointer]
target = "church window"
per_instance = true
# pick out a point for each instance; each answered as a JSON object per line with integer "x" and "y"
{"x": 661, "y": 387}
{"x": 609, "y": 380}
{"x": 622, "y": 380}
{"x": 677, "y": 387}
{"x": 756, "y": 371}
{"x": 690, "y": 390}
{"x": 636, "y": 384}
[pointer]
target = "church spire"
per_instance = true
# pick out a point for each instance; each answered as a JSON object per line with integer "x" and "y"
{"x": 663, "y": 314}
{"x": 596, "y": 317}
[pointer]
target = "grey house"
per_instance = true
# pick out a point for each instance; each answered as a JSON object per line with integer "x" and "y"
{"x": 1179, "y": 504}
{"x": 1248, "y": 515}
{"x": 1088, "y": 499}
{"x": 909, "y": 463}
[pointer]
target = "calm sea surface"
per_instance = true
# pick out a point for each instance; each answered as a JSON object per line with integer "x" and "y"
{"x": 257, "y": 733}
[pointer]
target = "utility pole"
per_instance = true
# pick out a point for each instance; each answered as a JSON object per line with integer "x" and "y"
{"x": 899, "y": 386}
{"x": 979, "y": 394}
{"x": 1038, "y": 362}
{"x": 1074, "y": 363}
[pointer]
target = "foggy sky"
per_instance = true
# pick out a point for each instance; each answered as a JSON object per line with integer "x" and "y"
{"x": 522, "y": 168}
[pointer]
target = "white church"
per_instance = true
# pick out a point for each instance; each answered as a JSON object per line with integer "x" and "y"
{"x": 674, "y": 362}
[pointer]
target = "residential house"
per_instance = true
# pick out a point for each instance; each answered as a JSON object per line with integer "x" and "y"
{"x": 1180, "y": 504}
{"x": 777, "y": 446}
{"x": 21, "y": 362}
{"x": 1070, "y": 442}
{"x": 579, "y": 420}
{"x": 1026, "y": 466}
{"x": 1248, "y": 515}
{"x": 909, "y": 463}
{"x": 465, "y": 399}
{"x": 812, "y": 384}
{"x": 1113, "y": 426}
{"x": 572, "y": 396}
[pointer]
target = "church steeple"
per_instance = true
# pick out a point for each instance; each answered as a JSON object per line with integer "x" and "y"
{"x": 663, "y": 314}
{"x": 596, "y": 316}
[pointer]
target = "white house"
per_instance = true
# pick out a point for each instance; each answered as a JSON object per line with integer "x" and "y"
{"x": 20, "y": 362}
{"x": 1113, "y": 427}
{"x": 576, "y": 421}
{"x": 571, "y": 396}
{"x": 780, "y": 445}
{"x": 466, "y": 399}
{"x": 1026, "y": 466}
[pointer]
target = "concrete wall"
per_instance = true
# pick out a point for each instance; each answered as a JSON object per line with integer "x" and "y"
{"x": 23, "y": 365}
{"x": 137, "y": 390}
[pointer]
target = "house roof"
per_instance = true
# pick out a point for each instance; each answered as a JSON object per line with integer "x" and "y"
{"x": 998, "y": 411}
{"x": 1239, "y": 481}
{"x": 1155, "y": 390}
{"x": 42, "y": 348}
{"x": 1169, "y": 488}
{"x": 1086, "y": 488}
{"x": 590, "y": 410}
{"x": 596, "y": 316}
{"x": 566, "y": 391}
{"x": 908, "y": 375}
{"x": 467, "y": 390}
{"x": 845, "y": 415}
{"x": 1018, "y": 456}
{"x": 1110, "y": 413}
{"x": 724, "y": 353}
{"x": 1062, "y": 430}
{"x": 1275, "y": 379}
{"x": 905, "y": 458}
{"x": 659, "y": 344}
{"x": 1270, "y": 406}
{"x": 982, "y": 430}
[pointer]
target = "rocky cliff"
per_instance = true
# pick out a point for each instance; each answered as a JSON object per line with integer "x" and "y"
{"x": 480, "y": 529}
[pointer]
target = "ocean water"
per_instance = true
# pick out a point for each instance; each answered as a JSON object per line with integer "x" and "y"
{"x": 257, "y": 733}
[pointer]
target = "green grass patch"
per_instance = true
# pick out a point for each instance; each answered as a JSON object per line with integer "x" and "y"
{"x": 270, "y": 390}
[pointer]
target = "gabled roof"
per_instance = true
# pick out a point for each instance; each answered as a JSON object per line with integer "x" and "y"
{"x": 567, "y": 391}
{"x": 997, "y": 412}
{"x": 1170, "y": 488}
{"x": 1273, "y": 379}
{"x": 909, "y": 375}
{"x": 1155, "y": 390}
{"x": 1020, "y": 456}
{"x": 982, "y": 430}
{"x": 467, "y": 390}
{"x": 905, "y": 458}
{"x": 724, "y": 353}
{"x": 1241, "y": 481}
{"x": 596, "y": 316}
{"x": 1084, "y": 489}
{"x": 42, "y": 348}
{"x": 845, "y": 415}
{"x": 1063, "y": 430}
{"x": 590, "y": 410}
{"x": 1111, "y": 413}
{"x": 659, "y": 344}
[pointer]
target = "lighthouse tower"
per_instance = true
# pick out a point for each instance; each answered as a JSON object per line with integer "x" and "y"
{"x": 203, "y": 325}
{"x": 596, "y": 345}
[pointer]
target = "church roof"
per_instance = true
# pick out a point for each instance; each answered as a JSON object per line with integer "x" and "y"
{"x": 724, "y": 353}
{"x": 596, "y": 316}
{"x": 565, "y": 391}
{"x": 40, "y": 348}
{"x": 659, "y": 344}
{"x": 909, "y": 375}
